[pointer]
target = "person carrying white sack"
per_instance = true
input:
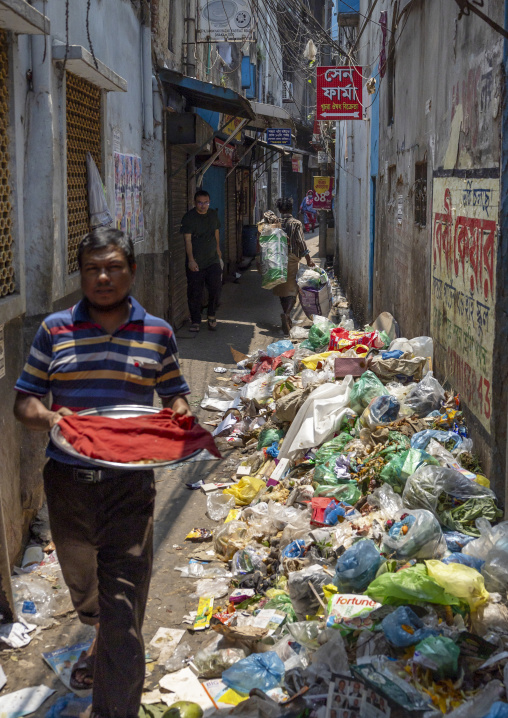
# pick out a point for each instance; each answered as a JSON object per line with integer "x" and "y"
{"x": 297, "y": 248}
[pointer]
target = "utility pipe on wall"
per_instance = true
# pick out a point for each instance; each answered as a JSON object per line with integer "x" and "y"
{"x": 191, "y": 38}
{"x": 146, "y": 58}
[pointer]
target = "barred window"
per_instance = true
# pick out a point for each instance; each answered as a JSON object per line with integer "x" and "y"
{"x": 83, "y": 118}
{"x": 421, "y": 194}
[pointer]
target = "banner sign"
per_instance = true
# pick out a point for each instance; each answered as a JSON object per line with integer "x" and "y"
{"x": 297, "y": 163}
{"x": 226, "y": 156}
{"x": 339, "y": 93}
{"x": 129, "y": 217}
{"x": 323, "y": 187}
{"x": 224, "y": 21}
{"x": 231, "y": 126}
{"x": 278, "y": 136}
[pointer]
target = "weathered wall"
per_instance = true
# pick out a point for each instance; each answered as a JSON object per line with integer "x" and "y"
{"x": 38, "y": 183}
{"x": 446, "y": 102}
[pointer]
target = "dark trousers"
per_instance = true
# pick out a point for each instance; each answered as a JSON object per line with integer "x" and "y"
{"x": 103, "y": 534}
{"x": 211, "y": 277}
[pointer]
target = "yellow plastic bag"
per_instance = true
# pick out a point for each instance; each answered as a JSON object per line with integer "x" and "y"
{"x": 460, "y": 581}
{"x": 312, "y": 361}
{"x": 245, "y": 490}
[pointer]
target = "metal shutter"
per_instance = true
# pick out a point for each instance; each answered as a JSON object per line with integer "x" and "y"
{"x": 7, "y": 285}
{"x": 178, "y": 200}
{"x": 231, "y": 214}
{"x": 83, "y": 120}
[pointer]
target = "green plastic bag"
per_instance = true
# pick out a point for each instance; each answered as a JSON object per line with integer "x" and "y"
{"x": 268, "y": 436}
{"x": 411, "y": 585}
{"x": 366, "y": 388}
{"x": 462, "y": 518}
{"x": 283, "y": 603}
{"x": 349, "y": 492}
{"x": 397, "y": 442}
{"x": 335, "y": 447}
{"x": 398, "y": 469}
{"x": 319, "y": 336}
{"x": 440, "y": 654}
{"x": 274, "y": 257}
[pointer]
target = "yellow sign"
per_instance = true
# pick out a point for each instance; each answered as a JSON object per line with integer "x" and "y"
{"x": 233, "y": 122}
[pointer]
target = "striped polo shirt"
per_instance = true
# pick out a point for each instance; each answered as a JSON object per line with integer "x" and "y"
{"x": 85, "y": 367}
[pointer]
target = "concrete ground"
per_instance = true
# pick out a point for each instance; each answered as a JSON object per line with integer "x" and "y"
{"x": 248, "y": 319}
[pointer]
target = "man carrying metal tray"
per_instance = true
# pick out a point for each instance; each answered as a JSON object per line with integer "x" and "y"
{"x": 106, "y": 350}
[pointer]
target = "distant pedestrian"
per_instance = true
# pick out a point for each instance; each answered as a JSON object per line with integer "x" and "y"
{"x": 200, "y": 228}
{"x": 308, "y": 211}
{"x": 297, "y": 248}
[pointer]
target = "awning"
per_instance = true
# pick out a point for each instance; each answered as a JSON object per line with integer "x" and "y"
{"x": 271, "y": 116}
{"x": 20, "y": 17}
{"x": 81, "y": 63}
{"x": 208, "y": 96}
{"x": 277, "y": 148}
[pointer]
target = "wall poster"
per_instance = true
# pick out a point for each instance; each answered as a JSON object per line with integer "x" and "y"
{"x": 129, "y": 196}
{"x": 464, "y": 246}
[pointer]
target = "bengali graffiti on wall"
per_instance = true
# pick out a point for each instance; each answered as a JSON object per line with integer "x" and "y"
{"x": 464, "y": 245}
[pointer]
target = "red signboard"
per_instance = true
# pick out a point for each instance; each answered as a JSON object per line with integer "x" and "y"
{"x": 339, "y": 93}
{"x": 226, "y": 156}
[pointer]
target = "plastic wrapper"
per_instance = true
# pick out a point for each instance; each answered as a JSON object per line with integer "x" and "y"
{"x": 178, "y": 658}
{"x": 211, "y": 588}
{"x": 277, "y": 348}
{"x": 367, "y": 387}
{"x": 299, "y": 528}
{"x": 260, "y": 670}
{"x": 427, "y": 396}
{"x": 347, "y": 492}
{"x": 218, "y": 505}
{"x": 260, "y": 388}
{"x": 280, "y": 516}
{"x": 381, "y": 410}
{"x": 335, "y": 447}
{"x": 203, "y": 570}
{"x": 489, "y": 536}
{"x": 439, "y": 654}
{"x": 314, "y": 378}
{"x": 495, "y": 571}
{"x": 386, "y": 501}
{"x": 343, "y": 340}
{"x": 319, "y": 335}
{"x": 424, "y": 488}
{"x": 298, "y": 333}
{"x": 273, "y": 244}
{"x": 403, "y": 628}
{"x": 302, "y": 597}
{"x": 214, "y": 658}
{"x": 402, "y": 465}
{"x": 424, "y": 538}
{"x": 311, "y": 278}
{"x": 292, "y": 654}
{"x": 268, "y": 436}
{"x": 248, "y": 560}
{"x": 357, "y": 567}
{"x": 412, "y": 585}
{"x": 245, "y": 490}
{"x": 460, "y": 581}
{"x": 306, "y": 633}
{"x": 34, "y": 599}
{"x": 422, "y": 438}
{"x": 282, "y": 602}
{"x": 230, "y": 538}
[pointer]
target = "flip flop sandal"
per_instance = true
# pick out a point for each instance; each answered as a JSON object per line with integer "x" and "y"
{"x": 212, "y": 324}
{"x": 86, "y": 664}
{"x": 194, "y": 328}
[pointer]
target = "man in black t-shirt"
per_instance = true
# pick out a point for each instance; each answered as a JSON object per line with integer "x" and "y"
{"x": 200, "y": 228}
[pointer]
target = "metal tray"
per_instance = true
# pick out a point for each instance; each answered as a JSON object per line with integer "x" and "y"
{"x": 112, "y": 412}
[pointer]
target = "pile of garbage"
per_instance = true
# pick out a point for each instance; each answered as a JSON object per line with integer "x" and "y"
{"x": 359, "y": 567}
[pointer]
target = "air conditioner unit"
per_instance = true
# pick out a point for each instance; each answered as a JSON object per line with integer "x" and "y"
{"x": 287, "y": 91}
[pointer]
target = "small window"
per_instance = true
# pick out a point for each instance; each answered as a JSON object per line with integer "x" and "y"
{"x": 421, "y": 194}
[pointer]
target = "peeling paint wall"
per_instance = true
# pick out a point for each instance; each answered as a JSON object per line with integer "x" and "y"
{"x": 439, "y": 113}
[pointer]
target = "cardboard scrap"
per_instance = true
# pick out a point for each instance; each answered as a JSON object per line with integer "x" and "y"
{"x": 186, "y": 686}
{"x": 164, "y": 643}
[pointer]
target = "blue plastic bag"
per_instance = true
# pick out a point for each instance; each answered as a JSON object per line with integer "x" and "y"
{"x": 497, "y": 710}
{"x": 464, "y": 559}
{"x": 422, "y": 438}
{"x": 273, "y": 450}
{"x": 357, "y": 567}
{"x": 260, "y": 670}
{"x": 277, "y": 348}
{"x": 455, "y": 540}
{"x": 295, "y": 549}
{"x": 403, "y": 628}
{"x": 334, "y": 510}
{"x": 395, "y": 354}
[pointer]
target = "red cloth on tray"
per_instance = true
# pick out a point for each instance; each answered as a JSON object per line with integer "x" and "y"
{"x": 165, "y": 436}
